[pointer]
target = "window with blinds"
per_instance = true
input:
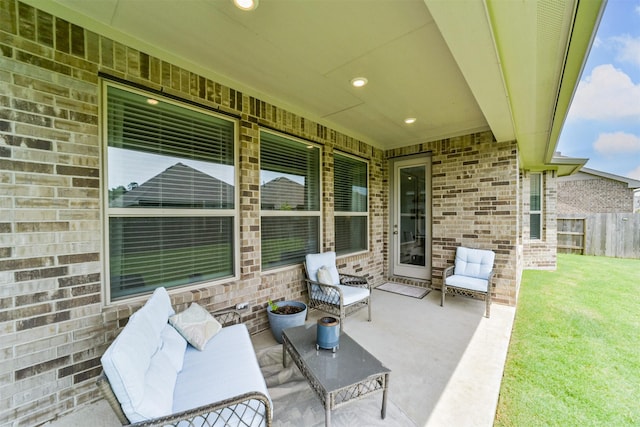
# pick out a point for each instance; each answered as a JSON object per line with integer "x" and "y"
{"x": 289, "y": 199}
{"x": 535, "y": 206}
{"x": 170, "y": 203}
{"x": 351, "y": 212}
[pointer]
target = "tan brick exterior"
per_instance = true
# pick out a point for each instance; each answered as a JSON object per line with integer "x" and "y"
{"x": 585, "y": 194}
{"x": 54, "y": 320}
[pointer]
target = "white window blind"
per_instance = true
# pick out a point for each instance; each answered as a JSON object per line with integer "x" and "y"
{"x": 535, "y": 206}
{"x": 170, "y": 177}
{"x": 289, "y": 199}
{"x": 351, "y": 204}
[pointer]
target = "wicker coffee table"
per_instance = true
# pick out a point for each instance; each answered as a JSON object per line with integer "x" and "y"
{"x": 349, "y": 374}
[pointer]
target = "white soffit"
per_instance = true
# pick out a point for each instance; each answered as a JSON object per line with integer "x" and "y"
{"x": 467, "y": 31}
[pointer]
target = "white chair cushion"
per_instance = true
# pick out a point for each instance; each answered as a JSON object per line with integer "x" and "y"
{"x": 467, "y": 282}
{"x": 476, "y": 263}
{"x": 326, "y": 259}
{"x": 351, "y": 294}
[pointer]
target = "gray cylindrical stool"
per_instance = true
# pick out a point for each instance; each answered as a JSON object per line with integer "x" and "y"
{"x": 328, "y": 334}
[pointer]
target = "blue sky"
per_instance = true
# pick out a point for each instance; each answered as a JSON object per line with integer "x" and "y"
{"x": 603, "y": 123}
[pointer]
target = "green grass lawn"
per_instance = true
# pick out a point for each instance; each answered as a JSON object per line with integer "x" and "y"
{"x": 574, "y": 356}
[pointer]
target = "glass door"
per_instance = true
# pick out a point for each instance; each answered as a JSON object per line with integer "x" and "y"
{"x": 411, "y": 223}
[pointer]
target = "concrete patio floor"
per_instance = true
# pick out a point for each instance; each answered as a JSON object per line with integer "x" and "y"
{"x": 446, "y": 362}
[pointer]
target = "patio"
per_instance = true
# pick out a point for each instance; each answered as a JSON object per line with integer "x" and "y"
{"x": 446, "y": 363}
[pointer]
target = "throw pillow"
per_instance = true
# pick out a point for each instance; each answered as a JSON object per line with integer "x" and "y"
{"x": 324, "y": 276}
{"x": 196, "y": 325}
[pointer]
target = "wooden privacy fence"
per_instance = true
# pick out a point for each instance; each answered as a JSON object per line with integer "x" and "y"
{"x": 607, "y": 234}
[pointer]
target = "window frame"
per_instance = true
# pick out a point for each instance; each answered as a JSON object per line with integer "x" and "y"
{"x": 532, "y": 211}
{"x": 271, "y": 213}
{"x": 365, "y": 214}
{"x": 108, "y": 212}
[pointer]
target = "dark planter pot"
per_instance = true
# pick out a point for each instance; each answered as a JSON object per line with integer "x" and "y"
{"x": 279, "y": 322}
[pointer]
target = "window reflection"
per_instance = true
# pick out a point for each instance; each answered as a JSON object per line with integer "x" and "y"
{"x": 147, "y": 180}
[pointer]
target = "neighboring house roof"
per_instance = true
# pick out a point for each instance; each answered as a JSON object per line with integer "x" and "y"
{"x": 281, "y": 193}
{"x": 458, "y": 67}
{"x": 631, "y": 183}
{"x": 179, "y": 186}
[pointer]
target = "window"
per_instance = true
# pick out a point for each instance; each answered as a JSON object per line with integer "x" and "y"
{"x": 170, "y": 207}
{"x": 535, "y": 206}
{"x": 289, "y": 199}
{"x": 351, "y": 204}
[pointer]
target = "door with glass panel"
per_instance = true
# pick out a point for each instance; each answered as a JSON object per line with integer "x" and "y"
{"x": 411, "y": 218}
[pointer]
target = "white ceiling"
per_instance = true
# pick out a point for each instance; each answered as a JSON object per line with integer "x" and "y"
{"x": 457, "y": 66}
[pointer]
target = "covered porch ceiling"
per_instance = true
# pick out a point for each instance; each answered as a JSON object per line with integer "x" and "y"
{"x": 456, "y": 66}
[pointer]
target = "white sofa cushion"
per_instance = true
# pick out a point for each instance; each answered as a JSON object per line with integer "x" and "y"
{"x": 196, "y": 325}
{"x": 159, "y": 384}
{"x": 227, "y": 367}
{"x": 136, "y": 368}
{"x": 158, "y": 309}
{"x": 139, "y": 372}
{"x": 173, "y": 346}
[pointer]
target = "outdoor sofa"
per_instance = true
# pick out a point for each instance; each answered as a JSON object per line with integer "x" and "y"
{"x": 153, "y": 376}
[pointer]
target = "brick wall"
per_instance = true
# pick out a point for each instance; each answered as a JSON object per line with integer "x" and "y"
{"x": 55, "y": 324}
{"x": 474, "y": 204}
{"x": 584, "y": 194}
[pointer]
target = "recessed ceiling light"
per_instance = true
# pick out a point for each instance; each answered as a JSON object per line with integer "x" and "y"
{"x": 152, "y": 101}
{"x": 410, "y": 120}
{"x": 246, "y": 4}
{"x": 359, "y": 81}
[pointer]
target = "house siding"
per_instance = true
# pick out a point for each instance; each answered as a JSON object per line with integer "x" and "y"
{"x": 474, "y": 204}
{"x": 54, "y": 318}
{"x": 585, "y": 194}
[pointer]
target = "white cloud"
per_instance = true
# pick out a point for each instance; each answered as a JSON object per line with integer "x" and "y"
{"x": 634, "y": 174}
{"x": 616, "y": 143}
{"x": 607, "y": 94}
{"x": 629, "y": 49}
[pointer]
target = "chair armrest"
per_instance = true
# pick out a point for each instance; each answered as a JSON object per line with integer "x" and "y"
{"x": 357, "y": 281}
{"x": 206, "y": 415}
{"x": 330, "y": 294}
{"x": 226, "y": 317}
{"x": 448, "y": 271}
{"x": 218, "y": 412}
{"x": 107, "y": 392}
{"x": 489, "y": 279}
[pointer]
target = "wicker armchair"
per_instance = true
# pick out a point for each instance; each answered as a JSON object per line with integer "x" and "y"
{"x": 249, "y": 409}
{"x": 470, "y": 276}
{"x": 335, "y": 293}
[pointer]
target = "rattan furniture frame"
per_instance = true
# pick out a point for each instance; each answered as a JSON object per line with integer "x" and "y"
{"x": 331, "y": 298}
{"x": 349, "y": 374}
{"x": 250, "y": 409}
{"x": 484, "y": 294}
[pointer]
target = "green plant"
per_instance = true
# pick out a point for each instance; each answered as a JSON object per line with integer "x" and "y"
{"x": 273, "y": 305}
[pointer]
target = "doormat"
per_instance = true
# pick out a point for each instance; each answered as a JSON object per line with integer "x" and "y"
{"x": 406, "y": 290}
